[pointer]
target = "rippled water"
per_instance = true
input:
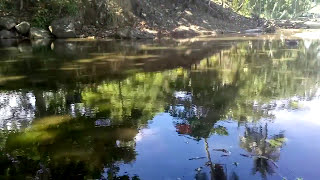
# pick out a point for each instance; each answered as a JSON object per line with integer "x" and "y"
{"x": 225, "y": 108}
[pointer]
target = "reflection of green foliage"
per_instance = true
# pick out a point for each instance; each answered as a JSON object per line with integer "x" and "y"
{"x": 140, "y": 96}
{"x": 295, "y": 105}
{"x": 264, "y": 147}
{"x": 261, "y": 79}
{"x": 219, "y": 130}
{"x": 239, "y": 84}
{"x": 277, "y": 142}
{"x": 60, "y": 142}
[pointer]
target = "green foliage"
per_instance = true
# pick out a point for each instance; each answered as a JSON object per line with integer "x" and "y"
{"x": 6, "y": 5}
{"x": 277, "y": 142}
{"x": 43, "y": 12}
{"x": 69, "y": 7}
{"x": 275, "y": 9}
{"x": 42, "y": 18}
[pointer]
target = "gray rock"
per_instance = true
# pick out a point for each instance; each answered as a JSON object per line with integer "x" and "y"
{"x": 313, "y": 25}
{"x": 38, "y": 33}
{"x": 5, "y": 34}
{"x": 253, "y": 31}
{"x": 63, "y": 28}
{"x": 269, "y": 27}
{"x": 23, "y": 28}
{"x": 124, "y": 33}
{"x": 179, "y": 33}
{"x": 131, "y": 33}
{"x": 7, "y": 23}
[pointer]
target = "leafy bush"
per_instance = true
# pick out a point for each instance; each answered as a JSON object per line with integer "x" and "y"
{"x": 42, "y": 18}
{"x": 6, "y": 5}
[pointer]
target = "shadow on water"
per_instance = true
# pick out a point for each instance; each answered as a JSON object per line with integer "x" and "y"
{"x": 75, "y": 108}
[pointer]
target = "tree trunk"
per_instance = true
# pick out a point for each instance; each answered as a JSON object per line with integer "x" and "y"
{"x": 21, "y": 5}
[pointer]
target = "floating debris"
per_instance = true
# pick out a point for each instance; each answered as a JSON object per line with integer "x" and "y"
{"x": 235, "y": 163}
{"x": 223, "y": 150}
{"x": 208, "y": 163}
{"x": 197, "y": 158}
{"x": 199, "y": 169}
{"x": 245, "y": 155}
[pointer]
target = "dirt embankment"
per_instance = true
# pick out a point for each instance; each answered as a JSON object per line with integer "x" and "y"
{"x": 180, "y": 18}
{"x": 144, "y": 19}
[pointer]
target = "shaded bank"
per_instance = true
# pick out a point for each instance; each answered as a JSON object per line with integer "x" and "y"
{"x": 131, "y": 19}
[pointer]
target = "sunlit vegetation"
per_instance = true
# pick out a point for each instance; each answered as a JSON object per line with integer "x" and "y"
{"x": 278, "y": 9}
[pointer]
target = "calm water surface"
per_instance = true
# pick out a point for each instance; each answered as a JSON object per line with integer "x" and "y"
{"x": 219, "y": 109}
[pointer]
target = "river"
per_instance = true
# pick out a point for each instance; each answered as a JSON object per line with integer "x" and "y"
{"x": 206, "y": 108}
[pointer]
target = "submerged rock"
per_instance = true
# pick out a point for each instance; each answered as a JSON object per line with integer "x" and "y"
{"x": 5, "y": 34}
{"x": 63, "y": 28}
{"x": 23, "y": 28}
{"x": 7, "y": 23}
{"x": 38, "y": 33}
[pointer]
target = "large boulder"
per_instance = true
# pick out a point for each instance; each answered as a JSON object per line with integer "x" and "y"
{"x": 63, "y": 28}
{"x": 7, "y": 23}
{"x": 5, "y": 34}
{"x": 23, "y": 28}
{"x": 38, "y": 33}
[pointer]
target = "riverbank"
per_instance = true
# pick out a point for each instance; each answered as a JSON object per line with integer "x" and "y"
{"x": 135, "y": 20}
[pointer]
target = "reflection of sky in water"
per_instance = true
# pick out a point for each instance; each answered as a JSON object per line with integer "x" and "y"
{"x": 183, "y": 95}
{"x": 163, "y": 154}
{"x": 16, "y": 108}
{"x": 265, "y": 90}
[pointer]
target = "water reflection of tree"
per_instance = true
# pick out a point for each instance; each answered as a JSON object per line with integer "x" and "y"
{"x": 67, "y": 147}
{"x": 264, "y": 148}
{"x": 208, "y": 100}
{"x": 234, "y": 84}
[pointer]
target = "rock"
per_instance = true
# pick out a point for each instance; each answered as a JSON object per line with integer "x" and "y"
{"x": 38, "y": 33}
{"x": 7, "y": 23}
{"x": 270, "y": 28}
{"x": 123, "y": 33}
{"x": 313, "y": 25}
{"x": 5, "y": 34}
{"x": 300, "y": 25}
{"x": 253, "y": 31}
{"x": 184, "y": 33}
{"x": 63, "y": 28}
{"x": 23, "y": 28}
{"x": 131, "y": 33}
